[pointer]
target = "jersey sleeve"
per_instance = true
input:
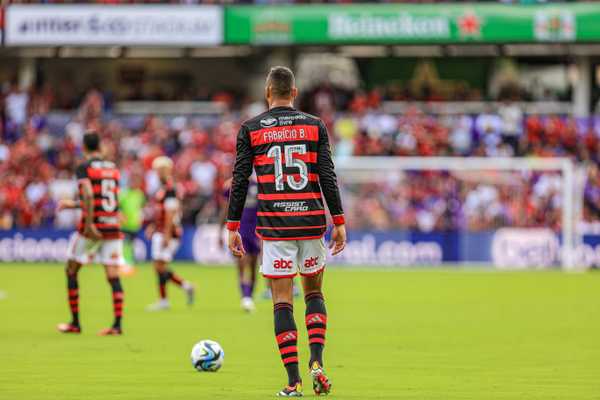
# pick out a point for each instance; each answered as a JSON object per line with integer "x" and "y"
{"x": 171, "y": 200}
{"x": 171, "y": 193}
{"x": 241, "y": 174}
{"x": 328, "y": 178}
{"x": 81, "y": 172}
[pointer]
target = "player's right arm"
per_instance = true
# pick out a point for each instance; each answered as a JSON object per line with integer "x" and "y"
{"x": 87, "y": 197}
{"x": 239, "y": 190}
{"x": 66, "y": 204}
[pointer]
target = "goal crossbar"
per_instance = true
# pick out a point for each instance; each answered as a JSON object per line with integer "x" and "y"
{"x": 453, "y": 163}
{"x": 365, "y": 169}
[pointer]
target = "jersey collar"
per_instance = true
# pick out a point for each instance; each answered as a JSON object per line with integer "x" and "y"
{"x": 282, "y": 108}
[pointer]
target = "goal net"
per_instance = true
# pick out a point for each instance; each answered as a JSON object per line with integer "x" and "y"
{"x": 508, "y": 212}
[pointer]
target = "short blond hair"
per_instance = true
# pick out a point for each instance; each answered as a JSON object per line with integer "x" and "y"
{"x": 162, "y": 162}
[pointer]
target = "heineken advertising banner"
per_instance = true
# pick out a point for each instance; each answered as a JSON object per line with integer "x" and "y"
{"x": 409, "y": 23}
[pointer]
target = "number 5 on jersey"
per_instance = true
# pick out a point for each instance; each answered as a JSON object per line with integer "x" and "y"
{"x": 109, "y": 197}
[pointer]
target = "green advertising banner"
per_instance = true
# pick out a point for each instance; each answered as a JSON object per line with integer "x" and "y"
{"x": 412, "y": 23}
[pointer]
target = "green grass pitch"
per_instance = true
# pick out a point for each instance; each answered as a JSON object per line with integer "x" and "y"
{"x": 420, "y": 334}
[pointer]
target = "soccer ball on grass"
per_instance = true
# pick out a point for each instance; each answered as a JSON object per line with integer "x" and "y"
{"x": 207, "y": 355}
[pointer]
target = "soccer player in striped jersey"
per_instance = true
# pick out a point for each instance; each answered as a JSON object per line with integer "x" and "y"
{"x": 99, "y": 234}
{"x": 166, "y": 233}
{"x": 290, "y": 153}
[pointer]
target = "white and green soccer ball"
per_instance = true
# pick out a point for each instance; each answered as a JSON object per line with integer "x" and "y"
{"x": 207, "y": 355}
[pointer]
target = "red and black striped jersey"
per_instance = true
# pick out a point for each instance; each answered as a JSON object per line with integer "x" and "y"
{"x": 167, "y": 197}
{"x": 290, "y": 153}
{"x": 104, "y": 178}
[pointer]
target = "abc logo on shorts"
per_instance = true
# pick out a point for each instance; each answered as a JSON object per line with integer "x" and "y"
{"x": 283, "y": 264}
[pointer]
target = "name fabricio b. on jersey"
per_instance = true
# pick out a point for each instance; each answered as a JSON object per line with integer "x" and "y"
{"x": 284, "y": 134}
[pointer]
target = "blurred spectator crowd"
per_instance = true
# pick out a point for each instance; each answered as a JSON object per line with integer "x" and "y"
{"x": 37, "y": 162}
{"x": 429, "y": 200}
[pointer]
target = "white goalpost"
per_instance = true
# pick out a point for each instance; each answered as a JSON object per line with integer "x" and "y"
{"x": 365, "y": 170}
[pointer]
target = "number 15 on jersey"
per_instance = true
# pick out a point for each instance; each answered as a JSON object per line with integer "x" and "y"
{"x": 277, "y": 154}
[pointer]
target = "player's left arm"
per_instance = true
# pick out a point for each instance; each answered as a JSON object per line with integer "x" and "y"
{"x": 239, "y": 190}
{"x": 172, "y": 206}
{"x": 331, "y": 191}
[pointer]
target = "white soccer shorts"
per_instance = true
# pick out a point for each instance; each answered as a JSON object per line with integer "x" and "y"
{"x": 162, "y": 252}
{"x": 285, "y": 258}
{"x": 103, "y": 251}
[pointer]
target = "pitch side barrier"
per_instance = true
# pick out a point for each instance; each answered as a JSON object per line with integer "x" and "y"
{"x": 506, "y": 248}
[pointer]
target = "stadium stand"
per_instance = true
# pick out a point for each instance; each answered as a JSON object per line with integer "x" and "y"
{"x": 40, "y": 148}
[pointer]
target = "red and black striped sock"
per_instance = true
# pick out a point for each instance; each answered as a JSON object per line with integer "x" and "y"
{"x": 287, "y": 340}
{"x": 175, "y": 278}
{"x": 316, "y": 324}
{"x": 163, "y": 278}
{"x": 73, "y": 291}
{"x": 117, "y": 295}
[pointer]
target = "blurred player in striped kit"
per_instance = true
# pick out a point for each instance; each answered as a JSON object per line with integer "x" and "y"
{"x": 165, "y": 233}
{"x": 98, "y": 235}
